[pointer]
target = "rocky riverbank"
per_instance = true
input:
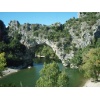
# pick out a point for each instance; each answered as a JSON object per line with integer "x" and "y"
{"x": 92, "y": 84}
{"x": 9, "y": 71}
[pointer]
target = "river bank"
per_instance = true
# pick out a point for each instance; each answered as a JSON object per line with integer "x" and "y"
{"x": 92, "y": 84}
{"x": 87, "y": 84}
{"x": 8, "y": 71}
{"x": 11, "y": 70}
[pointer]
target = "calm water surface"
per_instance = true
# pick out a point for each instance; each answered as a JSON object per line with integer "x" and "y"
{"x": 28, "y": 77}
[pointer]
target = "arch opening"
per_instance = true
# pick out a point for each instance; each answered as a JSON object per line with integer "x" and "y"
{"x": 44, "y": 53}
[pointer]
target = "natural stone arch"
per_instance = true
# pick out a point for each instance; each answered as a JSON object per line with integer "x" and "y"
{"x": 81, "y": 36}
{"x": 31, "y": 48}
{"x": 30, "y": 41}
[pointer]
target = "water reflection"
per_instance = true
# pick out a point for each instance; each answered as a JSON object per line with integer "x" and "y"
{"x": 28, "y": 77}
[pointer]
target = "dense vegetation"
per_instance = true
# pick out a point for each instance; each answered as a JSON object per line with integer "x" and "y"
{"x": 45, "y": 51}
{"x": 13, "y": 51}
{"x": 51, "y": 76}
{"x": 11, "y": 46}
{"x": 91, "y": 63}
{"x": 55, "y": 33}
{"x": 2, "y": 62}
{"x": 86, "y": 59}
{"x": 62, "y": 33}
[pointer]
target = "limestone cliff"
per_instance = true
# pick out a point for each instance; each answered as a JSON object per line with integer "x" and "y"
{"x": 64, "y": 39}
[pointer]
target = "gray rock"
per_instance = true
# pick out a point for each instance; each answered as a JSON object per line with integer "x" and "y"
{"x": 28, "y": 38}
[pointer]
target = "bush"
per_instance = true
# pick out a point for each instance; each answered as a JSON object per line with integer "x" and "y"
{"x": 2, "y": 62}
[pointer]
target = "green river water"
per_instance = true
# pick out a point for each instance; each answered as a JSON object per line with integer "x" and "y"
{"x": 28, "y": 77}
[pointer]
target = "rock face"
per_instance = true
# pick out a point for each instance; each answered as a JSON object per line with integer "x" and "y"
{"x": 2, "y": 30}
{"x": 81, "y": 33}
{"x": 84, "y": 14}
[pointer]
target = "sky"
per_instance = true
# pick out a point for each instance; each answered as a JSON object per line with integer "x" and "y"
{"x": 46, "y": 18}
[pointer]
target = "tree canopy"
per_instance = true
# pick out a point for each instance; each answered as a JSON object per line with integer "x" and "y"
{"x": 51, "y": 76}
{"x": 91, "y": 63}
{"x": 2, "y": 62}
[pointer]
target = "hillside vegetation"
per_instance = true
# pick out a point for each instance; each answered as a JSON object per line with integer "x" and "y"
{"x": 68, "y": 41}
{"x": 76, "y": 43}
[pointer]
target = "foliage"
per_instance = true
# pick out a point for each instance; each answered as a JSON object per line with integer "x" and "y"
{"x": 62, "y": 79}
{"x": 91, "y": 63}
{"x": 14, "y": 50}
{"x": 46, "y": 51}
{"x": 51, "y": 76}
{"x": 2, "y": 25}
{"x": 97, "y": 44}
{"x": 55, "y": 32}
{"x": 2, "y": 62}
{"x": 77, "y": 59}
{"x": 3, "y": 46}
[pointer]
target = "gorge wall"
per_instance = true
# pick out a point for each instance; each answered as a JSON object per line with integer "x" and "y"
{"x": 65, "y": 39}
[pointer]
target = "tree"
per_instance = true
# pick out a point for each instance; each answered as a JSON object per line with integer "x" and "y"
{"x": 2, "y": 62}
{"x": 97, "y": 43}
{"x": 77, "y": 59}
{"x": 91, "y": 64}
{"x": 62, "y": 79}
{"x": 2, "y": 30}
{"x": 51, "y": 76}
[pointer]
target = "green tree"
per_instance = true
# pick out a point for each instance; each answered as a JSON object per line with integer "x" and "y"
{"x": 62, "y": 79}
{"x": 2, "y": 62}
{"x": 91, "y": 63}
{"x": 97, "y": 44}
{"x": 50, "y": 76}
{"x": 77, "y": 59}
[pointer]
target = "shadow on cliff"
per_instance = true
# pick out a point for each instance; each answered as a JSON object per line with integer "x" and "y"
{"x": 97, "y": 34}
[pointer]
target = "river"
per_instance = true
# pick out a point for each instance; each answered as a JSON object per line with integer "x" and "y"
{"x": 28, "y": 77}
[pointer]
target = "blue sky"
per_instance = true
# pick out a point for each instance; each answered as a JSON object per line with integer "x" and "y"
{"x": 46, "y": 18}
